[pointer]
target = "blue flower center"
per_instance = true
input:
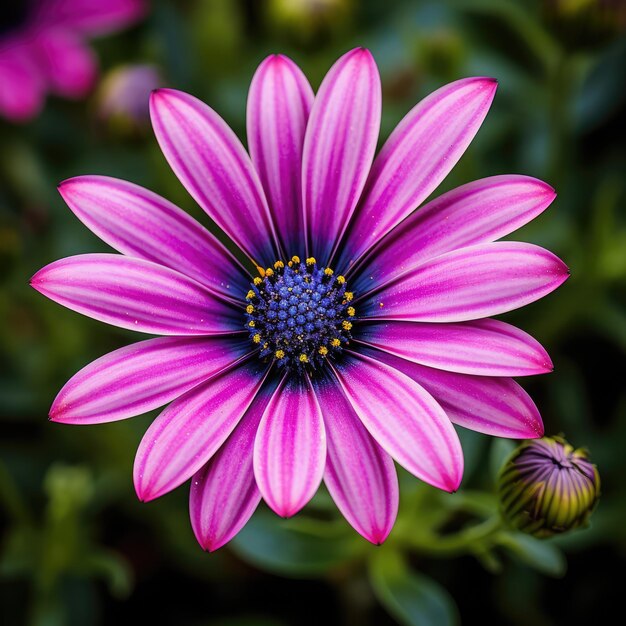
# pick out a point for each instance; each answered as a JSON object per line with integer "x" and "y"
{"x": 299, "y": 314}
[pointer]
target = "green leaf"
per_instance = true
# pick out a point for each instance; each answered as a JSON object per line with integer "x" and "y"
{"x": 537, "y": 553}
{"x": 292, "y": 547}
{"x": 412, "y": 598}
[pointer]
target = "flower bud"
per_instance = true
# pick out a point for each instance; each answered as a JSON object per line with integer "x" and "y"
{"x": 546, "y": 487}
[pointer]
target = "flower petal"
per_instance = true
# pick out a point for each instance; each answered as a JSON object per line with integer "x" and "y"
{"x": 69, "y": 64}
{"x": 212, "y": 164}
{"x": 279, "y": 103}
{"x": 93, "y": 17}
{"x": 139, "y": 223}
{"x": 224, "y": 493}
{"x": 482, "y": 347}
{"x": 479, "y": 212}
{"x": 404, "y": 419}
{"x": 418, "y": 155}
{"x": 491, "y": 405}
{"x": 290, "y": 448}
{"x": 135, "y": 294}
{"x": 470, "y": 283}
{"x": 359, "y": 474}
{"x": 339, "y": 148}
{"x": 22, "y": 91}
{"x": 191, "y": 429}
{"x": 143, "y": 376}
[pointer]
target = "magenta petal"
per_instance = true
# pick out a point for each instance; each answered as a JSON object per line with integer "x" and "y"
{"x": 290, "y": 448}
{"x": 210, "y": 161}
{"x": 479, "y": 212}
{"x": 494, "y": 406}
{"x": 22, "y": 87}
{"x": 279, "y": 103}
{"x": 68, "y": 63}
{"x": 191, "y": 429}
{"x": 482, "y": 347}
{"x": 359, "y": 474}
{"x": 93, "y": 17}
{"x": 404, "y": 419}
{"x": 224, "y": 493}
{"x": 140, "y": 223}
{"x": 470, "y": 283}
{"x": 339, "y": 148}
{"x": 135, "y": 294}
{"x": 142, "y": 377}
{"x": 418, "y": 155}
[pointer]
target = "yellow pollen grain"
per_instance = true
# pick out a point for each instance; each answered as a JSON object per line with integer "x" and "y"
{"x": 257, "y": 280}
{"x": 348, "y": 296}
{"x": 351, "y": 311}
{"x": 304, "y": 358}
{"x": 323, "y": 350}
{"x": 335, "y": 343}
{"x": 290, "y": 263}
{"x": 381, "y": 305}
{"x": 346, "y": 325}
{"x": 249, "y": 309}
{"x": 295, "y": 259}
{"x": 269, "y": 272}
{"x": 328, "y": 271}
{"x": 341, "y": 280}
{"x": 251, "y": 323}
{"x": 311, "y": 261}
{"x": 250, "y": 295}
{"x": 279, "y": 354}
{"x": 279, "y": 265}
{"x": 265, "y": 345}
{"x": 257, "y": 338}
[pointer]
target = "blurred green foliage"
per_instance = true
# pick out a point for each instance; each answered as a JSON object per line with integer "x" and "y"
{"x": 76, "y": 547}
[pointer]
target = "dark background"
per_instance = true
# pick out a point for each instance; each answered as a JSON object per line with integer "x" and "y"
{"x": 77, "y": 548}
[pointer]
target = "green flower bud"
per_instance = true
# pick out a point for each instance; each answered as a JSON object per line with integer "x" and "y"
{"x": 546, "y": 487}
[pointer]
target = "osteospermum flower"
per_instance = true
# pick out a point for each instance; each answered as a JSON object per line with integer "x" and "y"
{"x": 44, "y": 48}
{"x": 356, "y": 331}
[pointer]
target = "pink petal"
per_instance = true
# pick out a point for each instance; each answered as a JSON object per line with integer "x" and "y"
{"x": 404, "y": 419}
{"x": 483, "y": 347}
{"x": 143, "y": 376}
{"x": 68, "y": 63}
{"x": 135, "y": 294}
{"x": 479, "y": 212}
{"x": 191, "y": 429}
{"x": 210, "y": 161}
{"x": 290, "y": 448}
{"x": 360, "y": 475}
{"x": 339, "y": 147}
{"x": 470, "y": 283}
{"x": 140, "y": 223}
{"x": 94, "y": 17}
{"x": 494, "y": 406}
{"x": 418, "y": 155}
{"x": 279, "y": 103}
{"x": 224, "y": 493}
{"x": 22, "y": 87}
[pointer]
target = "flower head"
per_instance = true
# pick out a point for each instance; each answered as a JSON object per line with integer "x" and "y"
{"x": 44, "y": 49}
{"x": 547, "y": 487}
{"x": 351, "y": 332}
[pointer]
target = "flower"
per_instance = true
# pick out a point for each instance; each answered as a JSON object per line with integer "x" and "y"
{"x": 123, "y": 95}
{"x": 546, "y": 487}
{"x": 44, "y": 49}
{"x": 353, "y": 334}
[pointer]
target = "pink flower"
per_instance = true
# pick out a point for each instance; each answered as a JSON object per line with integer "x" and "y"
{"x": 285, "y": 376}
{"x": 45, "y": 49}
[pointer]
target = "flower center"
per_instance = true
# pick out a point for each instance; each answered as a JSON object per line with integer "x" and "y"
{"x": 299, "y": 314}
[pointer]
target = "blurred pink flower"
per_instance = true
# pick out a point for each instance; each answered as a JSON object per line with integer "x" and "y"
{"x": 124, "y": 94}
{"x": 283, "y": 372}
{"x": 44, "y": 49}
